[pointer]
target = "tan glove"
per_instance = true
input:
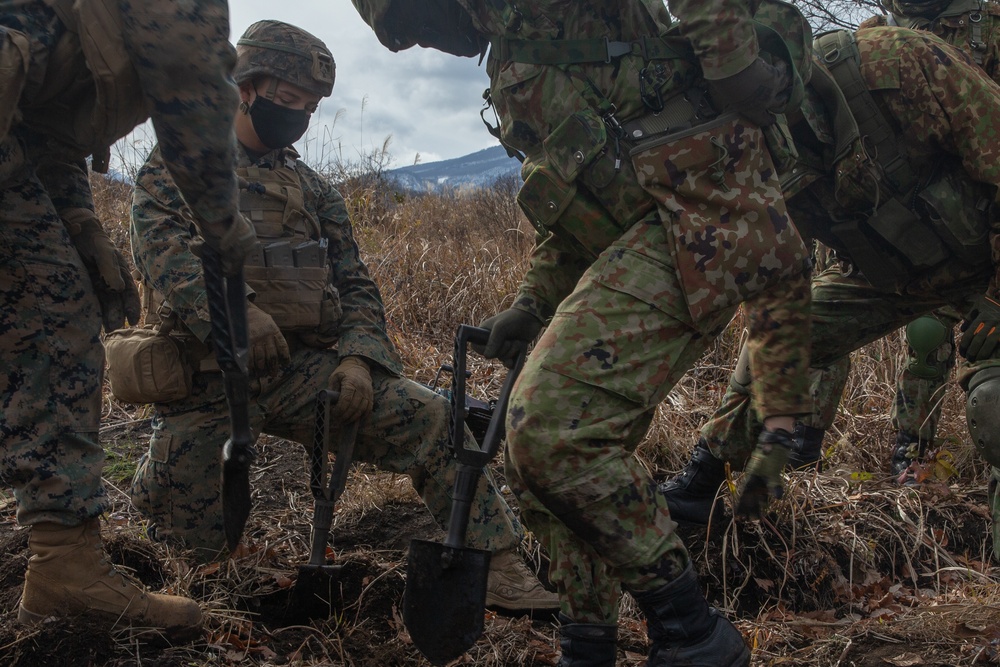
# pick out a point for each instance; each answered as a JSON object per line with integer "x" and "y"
{"x": 231, "y": 240}
{"x": 268, "y": 348}
{"x": 354, "y": 382}
{"x": 109, "y": 272}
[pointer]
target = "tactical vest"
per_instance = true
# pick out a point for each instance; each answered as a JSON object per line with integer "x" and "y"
{"x": 289, "y": 270}
{"x": 970, "y": 14}
{"x": 92, "y": 117}
{"x": 918, "y": 222}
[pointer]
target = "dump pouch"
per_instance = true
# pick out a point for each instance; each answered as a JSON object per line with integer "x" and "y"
{"x": 720, "y": 199}
{"x": 146, "y": 365}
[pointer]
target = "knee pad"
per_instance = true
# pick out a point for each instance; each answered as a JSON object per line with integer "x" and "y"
{"x": 982, "y": 413}
{"x": 740, "y": 379}
{"x": 925, "y": 335}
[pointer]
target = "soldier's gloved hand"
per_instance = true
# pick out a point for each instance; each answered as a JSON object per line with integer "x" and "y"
{"x": 982, "y": 329}
{"x": 762, "y": 478}
{"x": 353, "y": 380}
{"x": 231, "y": 240}
{"x": 109, "y": 272}
{"x": 755, "y": 91}
{"x": 510, "y": 332}
{"x": 268, "y": 348}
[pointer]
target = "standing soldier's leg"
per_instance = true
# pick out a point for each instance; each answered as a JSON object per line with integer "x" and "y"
{"x": 920, "y": 387}
{"x": 51, "y": 397}
{"x": 581, "y": 405}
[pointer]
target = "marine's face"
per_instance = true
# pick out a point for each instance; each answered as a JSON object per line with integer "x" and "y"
{"x": 276, "y": 120}
{"x": 286, "y": 94}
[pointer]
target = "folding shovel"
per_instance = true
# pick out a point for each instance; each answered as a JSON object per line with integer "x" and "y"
{"x": 316, "y": 578}
{"x": 445, "y": 596}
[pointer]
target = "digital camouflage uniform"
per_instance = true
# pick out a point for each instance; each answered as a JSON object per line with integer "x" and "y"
{"x": 176, "y": 485}
{"x": 50, "y": 321}
{"x": 973, "y": 26}
{"x": 74, "y": 78}
{"x": 951, "y": 121}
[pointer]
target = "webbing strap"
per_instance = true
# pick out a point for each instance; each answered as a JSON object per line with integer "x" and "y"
{"x": 976, "y": 43}
{"x": 839, "y": 52}
{"x": 579, "y": 51}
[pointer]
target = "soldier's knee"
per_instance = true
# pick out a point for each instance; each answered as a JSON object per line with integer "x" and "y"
{"x": 925, "y": 335}
{"x": 982, "y": 413}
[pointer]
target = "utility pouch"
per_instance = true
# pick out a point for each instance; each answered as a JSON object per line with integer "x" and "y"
{"x": 15, "y": 56}
{"x": 960, "y": 212}
{"x": 720, "y": 199}
{"x": 292, "y": 295}
{"x": 908, "y": 235}
{"x": 544, "y": 197}
{"x": 146, "y": 365}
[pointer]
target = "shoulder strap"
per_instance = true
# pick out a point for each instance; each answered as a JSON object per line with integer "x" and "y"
{"x": 839, "y": 52}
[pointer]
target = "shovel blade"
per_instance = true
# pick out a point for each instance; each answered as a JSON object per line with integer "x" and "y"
{"x": 443, "y": 606}
{"x": 235, "y": 501}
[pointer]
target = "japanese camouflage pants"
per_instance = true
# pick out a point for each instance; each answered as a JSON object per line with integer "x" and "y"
{"x": 50, "y": 324}
{"x": 177, "y": 483}
{"x": 847, "y": 313}
{"x": 583, "y": 402}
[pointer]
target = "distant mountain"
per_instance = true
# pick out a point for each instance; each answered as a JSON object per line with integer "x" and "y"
{"x": 473, "y": 170}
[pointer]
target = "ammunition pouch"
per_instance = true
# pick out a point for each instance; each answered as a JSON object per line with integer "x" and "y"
{"x": 147, "y": 365}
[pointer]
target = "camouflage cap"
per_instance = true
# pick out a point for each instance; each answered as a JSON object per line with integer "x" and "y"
{"x": 923, "y": 8}
{"x": 281, "y": 50}
{"x": 446, "y": 25}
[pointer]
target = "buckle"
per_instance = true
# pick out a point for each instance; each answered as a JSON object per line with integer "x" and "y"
{"x": 616, "y": 49}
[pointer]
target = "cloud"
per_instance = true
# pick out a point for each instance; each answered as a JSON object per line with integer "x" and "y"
{"x": 427, "y": 101}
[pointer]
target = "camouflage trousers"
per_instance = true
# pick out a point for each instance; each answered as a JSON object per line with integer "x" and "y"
{"x": 847, "y": 313}
{"x": 50, "y": 325}
{"x": 177, "y": 483}
{"x": 587, "y": 394}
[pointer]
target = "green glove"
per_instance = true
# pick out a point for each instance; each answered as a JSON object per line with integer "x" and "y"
{"x": 109, "y": 272}
{"x": 354, "y": 382}
{"x": 982, "y": 329}
{"x": 510, "y": 332}
{"x": 754, "y": 91}
{"x": 762, "y": 478}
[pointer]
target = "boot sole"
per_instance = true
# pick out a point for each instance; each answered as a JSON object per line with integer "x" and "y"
{"x": 180, "y": 632}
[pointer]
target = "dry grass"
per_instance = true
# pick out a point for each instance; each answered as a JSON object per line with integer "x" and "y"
{"x": 849, "y": 569}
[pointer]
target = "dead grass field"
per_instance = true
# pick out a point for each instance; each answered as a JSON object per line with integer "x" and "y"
{"x": 848, "y": 569}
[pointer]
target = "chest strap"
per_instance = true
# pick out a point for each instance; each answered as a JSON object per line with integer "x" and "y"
{"x": 580, "y": 51}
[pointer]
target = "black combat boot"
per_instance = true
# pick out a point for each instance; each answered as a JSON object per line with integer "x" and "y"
{"x": 684, "y": 630}
{"x": 808, "y": 450}
{"x": 586, "y": 644}
{"x": 908, "y": 448}
{"x": 691, "y": 494}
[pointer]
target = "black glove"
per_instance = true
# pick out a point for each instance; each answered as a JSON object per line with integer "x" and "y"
{"x": 754, "y": 92}
{"x": 762, "y": 477}
{"x": 982, "y": 329}
{"x": 510, "y": 332}
{"x": 109, "y": 272}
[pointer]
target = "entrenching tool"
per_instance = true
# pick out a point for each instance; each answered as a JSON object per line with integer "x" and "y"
{"x": 445, "y": 596}
{"x": 227, "y": 307}
{"x": 316, "y": 577}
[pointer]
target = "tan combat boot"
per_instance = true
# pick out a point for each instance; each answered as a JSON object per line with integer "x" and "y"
{"x": 69, "y": 574}
{"x": 511, "y": 586}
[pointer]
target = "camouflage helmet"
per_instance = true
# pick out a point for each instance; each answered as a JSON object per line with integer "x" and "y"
{"x": 273, "y": 48}
{"x": 912, "y": 8}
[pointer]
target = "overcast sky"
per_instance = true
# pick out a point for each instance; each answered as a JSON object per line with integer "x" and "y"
{"x": 427, "y": 100}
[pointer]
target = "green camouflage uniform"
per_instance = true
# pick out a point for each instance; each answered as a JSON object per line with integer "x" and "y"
{"x": 917, "y": 405}
{"x": 50, "y": 319}
{"x": 176, "y": 485}
{"x": 956, "y": 118}
{"x": 641, "y": 260}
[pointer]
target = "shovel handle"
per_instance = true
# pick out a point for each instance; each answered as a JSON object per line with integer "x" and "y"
{"x": 495, "y": 431}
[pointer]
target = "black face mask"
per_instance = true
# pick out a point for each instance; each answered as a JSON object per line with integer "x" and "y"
{"x": 277, "y": 126}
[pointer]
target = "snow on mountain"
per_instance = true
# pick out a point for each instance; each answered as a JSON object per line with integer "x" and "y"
{"x": 474, "y": 170}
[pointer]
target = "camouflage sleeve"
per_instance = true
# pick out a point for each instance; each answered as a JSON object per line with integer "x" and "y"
{"x": 363, "y": 326}
{"x": 182, "y": 54}
{"x": 66, "y": 183}
{"x": 161, "y": 234}
{"x": 873, "y": 22}
{"x": 556, "y": 267}
{"x": 720, "y": 32}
